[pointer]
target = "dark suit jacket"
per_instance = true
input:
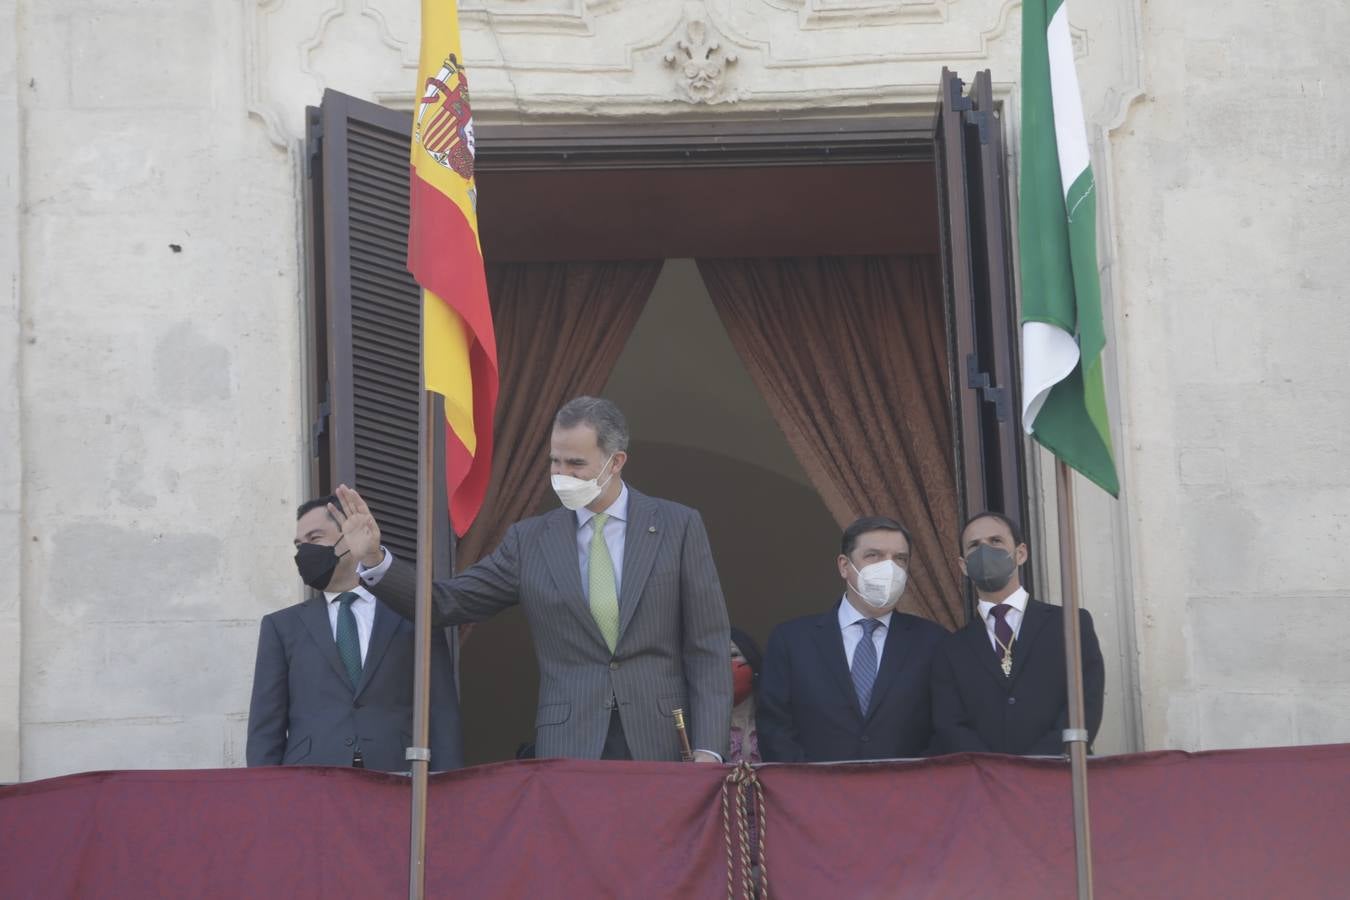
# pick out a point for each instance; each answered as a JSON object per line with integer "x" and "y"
{"x": 977, "y": 708}
{"x": 807, "y": 709}
{"x": 304, "y": 711}
{"x": 674, "y": 639}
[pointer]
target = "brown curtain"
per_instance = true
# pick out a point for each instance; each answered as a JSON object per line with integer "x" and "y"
{"x": 560, "y": 329}
{"x": 851, "y": 355}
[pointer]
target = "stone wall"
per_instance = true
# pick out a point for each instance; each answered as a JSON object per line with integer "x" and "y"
{"x": 11, "y": 434}
{"x": 159, "y": 385}
{"x": 151, "y": 361}
{"x": 1230, "y": 178}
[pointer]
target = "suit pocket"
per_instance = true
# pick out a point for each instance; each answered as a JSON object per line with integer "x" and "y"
{"x": 668, "y": 705}
{"x": 297, "y": 753}
{"x": 552, "y": 714}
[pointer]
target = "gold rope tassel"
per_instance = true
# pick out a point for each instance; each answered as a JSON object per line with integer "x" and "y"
{"x": 749, "y": 801}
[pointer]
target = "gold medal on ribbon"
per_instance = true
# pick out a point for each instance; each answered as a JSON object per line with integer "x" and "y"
{"x": 1006, "y": 662}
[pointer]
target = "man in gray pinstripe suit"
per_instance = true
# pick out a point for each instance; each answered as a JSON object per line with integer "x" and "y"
{"x": 621, "y": 594}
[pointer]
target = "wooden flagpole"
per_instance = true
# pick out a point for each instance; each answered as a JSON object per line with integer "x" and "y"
{"x": 1076, "y": 736}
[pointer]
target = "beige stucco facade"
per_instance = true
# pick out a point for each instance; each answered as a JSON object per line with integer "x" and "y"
{"x": 152, "y": 416}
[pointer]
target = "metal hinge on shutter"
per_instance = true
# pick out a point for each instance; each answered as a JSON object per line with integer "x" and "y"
{"x": 983, "y": 120}
{"x": 313, "y": 139}
{"x": 959, "y": 101}
{"x": 977, "y": 380}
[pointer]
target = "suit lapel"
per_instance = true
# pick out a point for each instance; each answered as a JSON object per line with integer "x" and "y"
{"x": 976, "y": 636}
{"x": 642, "y": 538}
{"x": 560, "y": 556}
{"x": 830, "y": 644}
{"x": 1034, "y": 620}
{"x": 560, "y": 553}
{"x": 315, "y": 616}
{"x": 893, "y": 658}
{"x": 381, "y": 633}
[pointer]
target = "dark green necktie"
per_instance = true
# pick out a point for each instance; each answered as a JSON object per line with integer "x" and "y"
{"x": 348, "y": 641}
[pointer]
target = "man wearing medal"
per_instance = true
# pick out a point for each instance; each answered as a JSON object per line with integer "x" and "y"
{"x": 999, "y": 684}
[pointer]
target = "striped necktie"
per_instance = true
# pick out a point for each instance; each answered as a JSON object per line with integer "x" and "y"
{"x": 865, "y": 664}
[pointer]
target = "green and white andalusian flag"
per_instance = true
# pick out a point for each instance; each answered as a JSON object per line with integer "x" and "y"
{"x": 1063, "y": 397}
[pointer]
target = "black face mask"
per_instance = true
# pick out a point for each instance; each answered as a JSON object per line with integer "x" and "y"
{"x": 990, "y": 568}
{"x": 316, "y": 563}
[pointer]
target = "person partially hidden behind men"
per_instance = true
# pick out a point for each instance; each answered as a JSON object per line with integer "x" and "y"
{"x": 333, "y": 682}
{"x": 620, "y": 592}
{"x": 999, "y": 683}
{"x": 852, "y": 682}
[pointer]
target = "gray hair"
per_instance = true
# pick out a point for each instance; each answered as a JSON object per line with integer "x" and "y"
{"x": 611, "y": 429}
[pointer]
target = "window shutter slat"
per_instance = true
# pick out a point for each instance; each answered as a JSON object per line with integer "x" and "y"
{"x": 371, "y": 308}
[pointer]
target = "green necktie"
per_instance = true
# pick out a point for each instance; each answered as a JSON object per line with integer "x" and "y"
{"x": 604, "y": 591}
{"x": 348, "y": 641}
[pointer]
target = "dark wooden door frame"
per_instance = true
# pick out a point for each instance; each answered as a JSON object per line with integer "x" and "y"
{"x": 976, "y": 243}
{"x": 981, "y": 302}
{"x": 646, "y": 145}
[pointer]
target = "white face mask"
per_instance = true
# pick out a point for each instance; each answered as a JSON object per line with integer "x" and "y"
{"x": 881, "y": 584}
{"x": 576, "y": 492}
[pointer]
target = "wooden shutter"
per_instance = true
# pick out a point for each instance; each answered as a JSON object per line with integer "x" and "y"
{"x": 364, "y": 320}
{"x": 977, "y": 259}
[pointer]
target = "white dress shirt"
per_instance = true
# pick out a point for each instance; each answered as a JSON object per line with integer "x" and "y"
{"x": 372, "y": 575}
{"x": 850, "y": 626}
{"x": 1018, "y": 601}
{"x": 616, "y": 532}
{"x": 363, "y": 607}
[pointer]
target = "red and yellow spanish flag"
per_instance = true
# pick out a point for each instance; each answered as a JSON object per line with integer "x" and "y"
{"x": 458, "y": 343}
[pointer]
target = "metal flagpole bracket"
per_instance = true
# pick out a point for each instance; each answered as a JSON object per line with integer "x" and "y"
{"x": 422, "y": 754}
{"x": 1071, "y": 736}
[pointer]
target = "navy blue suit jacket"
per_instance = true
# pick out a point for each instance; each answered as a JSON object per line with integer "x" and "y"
{"x": 976, "y": 708}
{"x": 807, "y": 709}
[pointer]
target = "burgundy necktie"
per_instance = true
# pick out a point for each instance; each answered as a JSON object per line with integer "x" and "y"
{"x": 1002, "y": 630}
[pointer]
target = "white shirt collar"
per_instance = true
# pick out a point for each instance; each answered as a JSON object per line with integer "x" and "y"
{"x": 1017, "y": 600}
{"x": 850, "y": 616}
{"x": 364, "y": 595}
{"x": 617, "y": 510}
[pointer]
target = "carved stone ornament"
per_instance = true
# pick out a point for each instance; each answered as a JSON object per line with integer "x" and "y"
{"x": 634, "y": 57}
{"x": 700, "y": 63}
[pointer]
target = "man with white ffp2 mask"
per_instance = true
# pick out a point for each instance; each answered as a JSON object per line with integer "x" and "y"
{"x": 621, "y": 594}
{"x": 852, "y": 683}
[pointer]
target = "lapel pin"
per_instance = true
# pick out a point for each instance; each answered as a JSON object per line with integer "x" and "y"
{"x": 651, "y": 529}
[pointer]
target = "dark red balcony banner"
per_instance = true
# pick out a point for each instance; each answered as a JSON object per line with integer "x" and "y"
{"x": 1252, "y": 823}
{"x": 1231, "y": 824}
